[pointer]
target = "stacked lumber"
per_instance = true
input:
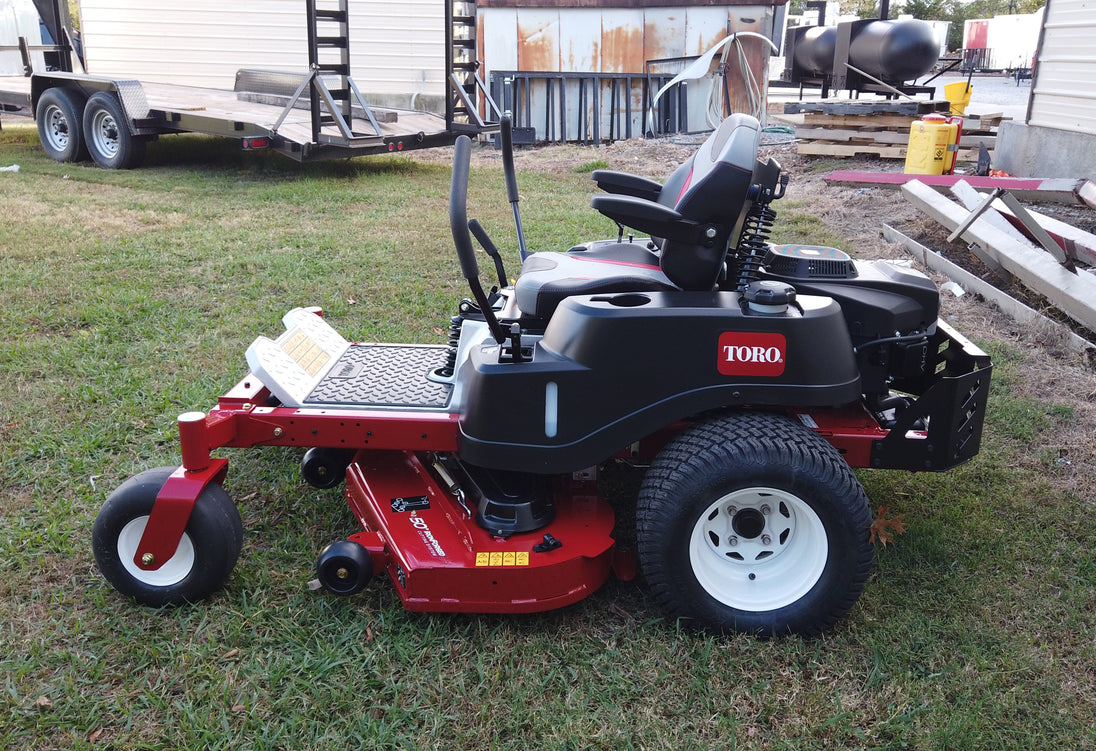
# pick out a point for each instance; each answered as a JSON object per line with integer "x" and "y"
{"x": 881, "y": 128}
{"x": 1058, "y": 272}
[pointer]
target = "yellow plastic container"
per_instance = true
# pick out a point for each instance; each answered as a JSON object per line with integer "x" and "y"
{"x": 958, "y": 95}
{"x": 934, "y": 141}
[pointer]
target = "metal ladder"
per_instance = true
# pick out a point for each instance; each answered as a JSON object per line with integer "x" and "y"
{"x": 333, "y": 91}
{"x": 462, "y": 71}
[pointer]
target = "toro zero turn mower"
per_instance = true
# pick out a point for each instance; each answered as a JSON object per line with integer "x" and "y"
{"x": 751, "y": 377}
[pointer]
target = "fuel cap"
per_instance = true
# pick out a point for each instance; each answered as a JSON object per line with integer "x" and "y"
{"x": 769, "y": 296}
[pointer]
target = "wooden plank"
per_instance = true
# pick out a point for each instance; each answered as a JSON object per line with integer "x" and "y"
{"x": 972, "y": 199}
{"x": 1088, "y": 193}
{"x": 858, "y": 121}
{"x": 1076, "y": 242}
{"x": 822, "y": 148}
{"x": 1008, "y": 305}
{"x": 882, "y": 136}
{"x": 1032, "y": 189}
{"x": 912, "y": 107}
{"x": 1074, "y": 294}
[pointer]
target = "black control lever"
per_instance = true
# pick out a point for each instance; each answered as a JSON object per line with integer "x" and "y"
{"x": 462, "y": 239}
{"x": 506, "y": 129}
{"x": 489, "y": 247}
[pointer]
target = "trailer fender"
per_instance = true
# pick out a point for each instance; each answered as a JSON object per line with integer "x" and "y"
{"x": 130, "y": 95}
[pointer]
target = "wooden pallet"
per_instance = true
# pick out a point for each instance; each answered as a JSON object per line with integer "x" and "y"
{"x": 861, "y": 108}
{"x": 882, "y": 134}
{"x": 883, "y": 151}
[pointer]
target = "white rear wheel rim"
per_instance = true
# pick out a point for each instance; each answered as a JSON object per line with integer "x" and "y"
{"x": 758, "y": 549}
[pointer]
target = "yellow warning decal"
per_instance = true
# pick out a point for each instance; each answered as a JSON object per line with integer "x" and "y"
{"x": 508, "y": 558}
{"x": 305, "y": 352}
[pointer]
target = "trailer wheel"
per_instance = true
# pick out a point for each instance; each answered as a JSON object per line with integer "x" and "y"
{"x": 59, "y": 114}
{"x": 753, "y": 523}
{"x": 205, "y": 557}
{"x": 106, "y": 131}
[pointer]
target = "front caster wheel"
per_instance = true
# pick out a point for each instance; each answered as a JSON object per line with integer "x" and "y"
{"x": 205, "y": 557}
{"x": 753, "y": 523}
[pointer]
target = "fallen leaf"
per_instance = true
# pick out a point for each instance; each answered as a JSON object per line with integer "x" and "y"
{"x": 237, "y": 708}
{"x": 44, "y": 702}
{"x": 230, "y": 654}
{"x": 883, "y": 528}
{"x": 368, "y": 634}
{"x": 94, "y": 735}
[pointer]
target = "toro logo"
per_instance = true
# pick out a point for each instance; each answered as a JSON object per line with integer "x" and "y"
{"x": 751, "y": 354}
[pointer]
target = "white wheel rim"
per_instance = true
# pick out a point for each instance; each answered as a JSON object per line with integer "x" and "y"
{"x": 105, "y": 132}
{"x": 772, "y": 559}
{"x": 172, "y": 572}
{"x": 57, "y": 128}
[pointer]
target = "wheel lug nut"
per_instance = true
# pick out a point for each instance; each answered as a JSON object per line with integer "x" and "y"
{"x": 732, "y": 510}
{"x": 766, "y": 509}
{"x": 148, "y": 559}
{"x": 765, "y": 539}
{"x": 732, "y": 541}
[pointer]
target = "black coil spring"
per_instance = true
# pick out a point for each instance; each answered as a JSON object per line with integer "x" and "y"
{"x": 455, "y": 324}
{"x": 753, "y": 242}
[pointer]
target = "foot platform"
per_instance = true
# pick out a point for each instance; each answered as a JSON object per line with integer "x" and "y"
{"x": 312, "y": 365}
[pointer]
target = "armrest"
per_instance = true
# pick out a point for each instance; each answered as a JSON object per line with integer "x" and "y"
{"x": 647, "y": 216}
{"x": 624, "y": 183}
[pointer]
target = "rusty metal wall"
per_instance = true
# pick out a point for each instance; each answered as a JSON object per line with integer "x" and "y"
{"x": 620, "y": 41}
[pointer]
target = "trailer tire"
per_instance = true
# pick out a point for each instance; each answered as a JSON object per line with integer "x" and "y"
{"x": 753, "y": 523}
{"x": 203, "y": 561}
{"x": 59, "y": 115}
{"x": 106, "y": 132}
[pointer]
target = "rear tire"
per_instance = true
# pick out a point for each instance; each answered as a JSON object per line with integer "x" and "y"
{"x": 751, "y": 522}
{"x": 59, "y": 115}
{"x": 106, "y": 131}
{"x": 203, "y": 561}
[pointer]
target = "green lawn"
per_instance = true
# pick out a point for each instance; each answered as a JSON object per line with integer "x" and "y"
{"x": 127, "y": 298}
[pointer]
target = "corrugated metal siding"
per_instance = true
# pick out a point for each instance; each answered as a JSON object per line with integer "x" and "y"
{"x": 396, "y": 48}
{"x": 605, "y": 40}
{"x": 1064, "y": 91}
{"x": 612, "y": 40}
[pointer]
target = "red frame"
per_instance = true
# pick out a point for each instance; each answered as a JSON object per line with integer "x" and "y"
{"x": 442, "y": 561}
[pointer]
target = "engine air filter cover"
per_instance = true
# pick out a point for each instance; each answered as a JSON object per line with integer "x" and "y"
{"x": 809, "y": 262}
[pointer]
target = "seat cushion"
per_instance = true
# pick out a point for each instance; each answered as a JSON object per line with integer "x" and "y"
{"x": 547, "y": 278}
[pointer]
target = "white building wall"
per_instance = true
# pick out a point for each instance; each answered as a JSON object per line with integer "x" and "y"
{"x": 396, "y": 47}
{"x": 1064, "y": 89}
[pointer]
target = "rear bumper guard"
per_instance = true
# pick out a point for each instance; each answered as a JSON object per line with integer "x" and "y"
{"x": 950, "y": 401}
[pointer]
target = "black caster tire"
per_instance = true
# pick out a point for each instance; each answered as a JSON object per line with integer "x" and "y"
{"x": 753, "y": 523}
{"x": 344, "y": 568}
{"x": 325, "y": 468}
{"x": 106, "y": 133}
{"x": 59, "y": 116}
{"x": 206, "y": 555}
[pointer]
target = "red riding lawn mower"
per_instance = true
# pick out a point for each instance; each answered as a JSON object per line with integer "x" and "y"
{"x": 751, "y": 377}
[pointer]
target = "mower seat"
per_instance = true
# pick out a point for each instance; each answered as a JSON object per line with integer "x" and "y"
{"x": 549, "y": 277}
{"x": 709, "y": 194}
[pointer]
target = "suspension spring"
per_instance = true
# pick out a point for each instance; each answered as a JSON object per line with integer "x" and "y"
{"x": 453, "y": 342}
{"x": 753, "y": 242}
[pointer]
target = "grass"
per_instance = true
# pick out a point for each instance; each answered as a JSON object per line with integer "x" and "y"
{"x": 127, "y": 298}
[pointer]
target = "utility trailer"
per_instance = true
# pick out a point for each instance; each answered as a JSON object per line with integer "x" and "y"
{"x": 316, "y": 111}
